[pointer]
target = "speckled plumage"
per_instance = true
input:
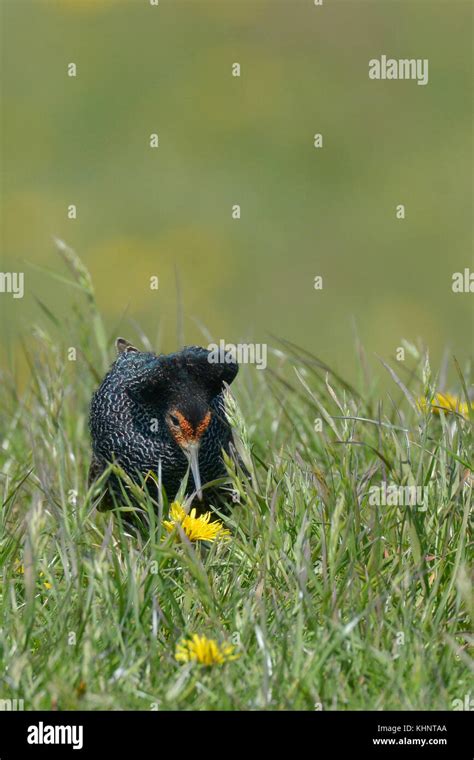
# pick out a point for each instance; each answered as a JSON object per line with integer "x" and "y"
{"x": 129, "y": 411}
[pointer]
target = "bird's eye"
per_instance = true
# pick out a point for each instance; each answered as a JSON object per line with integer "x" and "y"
{"x": 174, "y": 420}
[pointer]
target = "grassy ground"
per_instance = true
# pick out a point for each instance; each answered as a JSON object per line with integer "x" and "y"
{"x": 331, "y": 602}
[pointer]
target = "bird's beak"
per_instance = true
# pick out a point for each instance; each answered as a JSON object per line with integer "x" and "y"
{"x": 192, "y": 453}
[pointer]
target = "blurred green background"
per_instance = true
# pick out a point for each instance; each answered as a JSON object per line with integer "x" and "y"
{"x": 247, "y": 140}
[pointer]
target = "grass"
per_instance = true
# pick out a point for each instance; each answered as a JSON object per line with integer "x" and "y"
{"x": 331, "y": 602}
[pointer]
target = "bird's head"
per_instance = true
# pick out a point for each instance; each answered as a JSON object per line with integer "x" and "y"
{"x": 182, "y": 386}
{"x": 187, "y": 420}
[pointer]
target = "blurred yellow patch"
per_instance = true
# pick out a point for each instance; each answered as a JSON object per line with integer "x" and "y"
{"x": 444, "y": 402}
{"x": 204, "y": 651}
{"x": 21, "y": 569}
{"x": 122, "y": 268}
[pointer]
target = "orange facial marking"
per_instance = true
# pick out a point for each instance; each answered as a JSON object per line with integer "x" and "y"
{"x": 203, "y": 425}
{"x": 187, "y": 434}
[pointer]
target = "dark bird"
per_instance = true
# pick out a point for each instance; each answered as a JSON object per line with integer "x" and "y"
{"x": 162, "y": 414}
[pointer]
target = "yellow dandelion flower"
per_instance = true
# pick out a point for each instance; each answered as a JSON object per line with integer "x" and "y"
{"x": 196, "y": 528}
{"x": 444, "y": 402}
{"x": 204, "y": 651}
